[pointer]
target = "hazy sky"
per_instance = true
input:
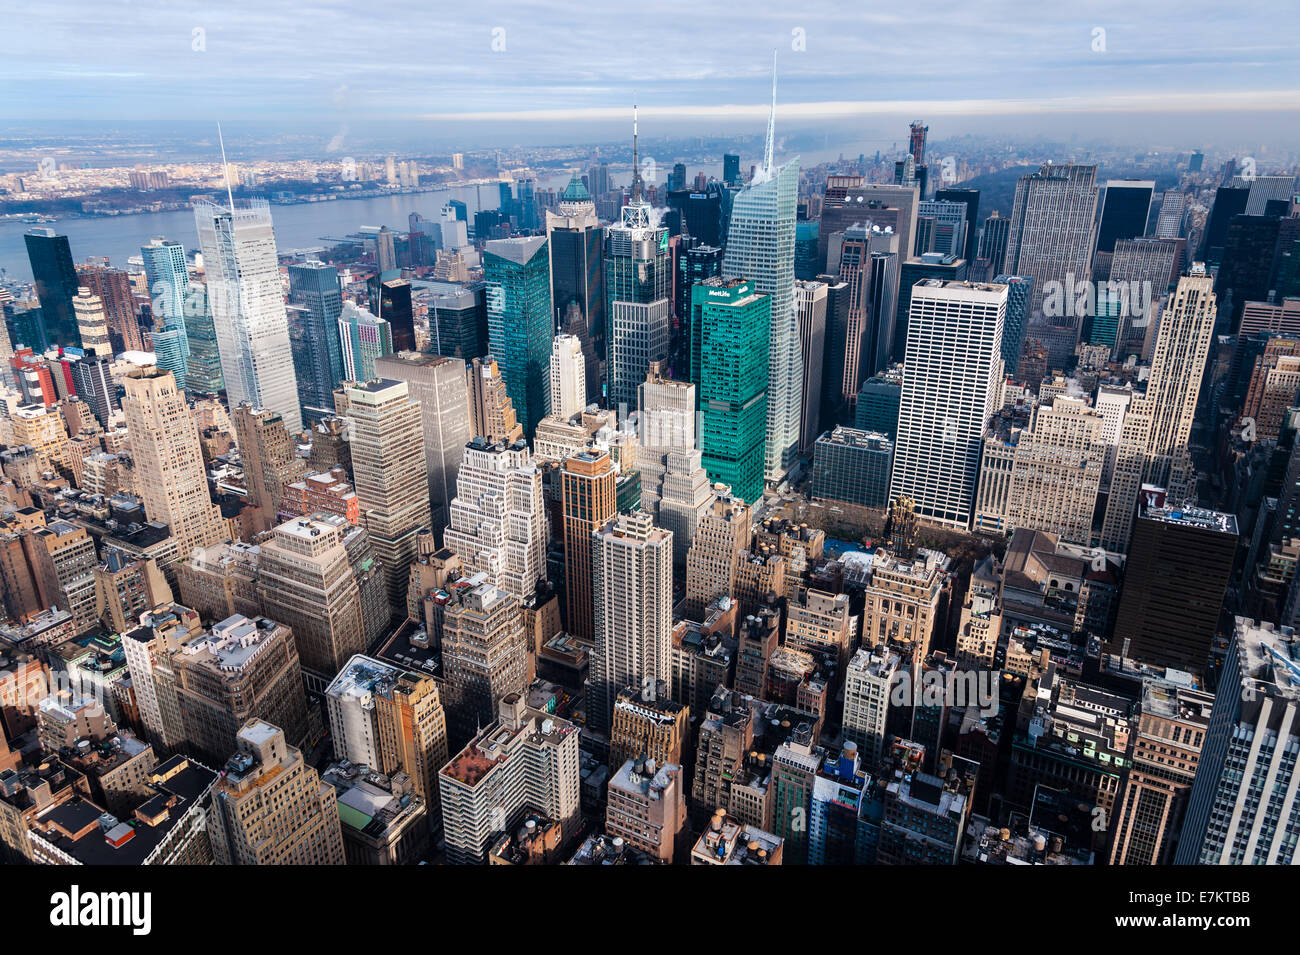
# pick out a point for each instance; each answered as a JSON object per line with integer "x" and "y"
{"x": 574, "y": 62}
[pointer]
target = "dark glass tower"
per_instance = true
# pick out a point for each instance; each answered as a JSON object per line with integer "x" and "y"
{"x": 56, "y": 285}
{"x": 318, "y": 355}
{"x": 1124, "y": 211}
{"x": 972, "y": 199}
{"x": 393, "y": 300}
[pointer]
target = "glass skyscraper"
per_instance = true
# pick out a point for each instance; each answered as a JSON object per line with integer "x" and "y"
{"x": 203, "y": 369}
{"x": 760, "y": 247}
{"x": 364, "y": 337}
{"x": 169, "y": 283}
{"x": 638, "y": 283}
{"x": 317, "y": 301}
{"x": 734, "y": 320}
{"x": 56, "y": 286}
{"x": 518, "y": 274}
{"x": 243, "y": 275}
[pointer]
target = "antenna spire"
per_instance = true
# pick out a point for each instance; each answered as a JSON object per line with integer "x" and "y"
{"x": 636, "y": 162}
{"x": 225, "y": 168}
{"x": 770, "y": 150}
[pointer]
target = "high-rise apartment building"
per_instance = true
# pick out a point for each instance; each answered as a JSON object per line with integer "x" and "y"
{"x": 520, "y": 321}
{"x": 247, "y": 300}
{"x": 438, "y": 384}
{"x": 527, "y": 760}
{"x": 391, "y": 474}
{"x": 632, "y": 584}
{"x": 170, "y": 476}
{"x": 270, "y": 806}
{"x": 952, "y": 386}
{"x": 588, "y": 501}
{"x": 499, "y": 525}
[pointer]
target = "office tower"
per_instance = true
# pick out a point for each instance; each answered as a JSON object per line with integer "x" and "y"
{"x": 647, "y": 806}
{"x": 63, "y": 563}
{"x": 1264, "y": 189}
{"x": 498, "y": 524}
{"x": 169, "y": 472}
{"x": 438, "y": 384}
{"x": 491, "y": 411}
{"x": 391, "y": 301}
{"x": 1019, "y": 293}
{"x": 168, "y": 280}
{"x": 1247, "y": 264}
{"x": 270, "y": 806}
{"x": 525, "y": 761}
{"x": 853, "y": 467}
{"x": 810, "y": 308}
{"x": 924, "y": 817}
{"x": 305, "y": 577}
{"x": 41, "y": 428}
{"x": 56, "y": 286}
{"x": 1051, "y": 232}
{"x": 731, "y": 169}
{"x": 675, "y": 488}
{"x": 1178, "y": 567}
{"x": 588, "y": 501}
{"x": 568, "y": 376}
{"x": 638, "y": 286}
{"x": 868, "y": 685}
{"x": 126, "y": 588}
{"x": 993, "y": 243}
{"x": 1057, "y": 470}
{"x": 704, "y": 212}
{"x": 113, "y": 288}
{"x": 365, "y": 338}
{"x": 760, "y": 249}
{"x": 878, "y": 404}
{"x": 1186, "y": 326}
{"x": 391, "y": 720}
{"x": 734, "y": 321}
{"x": 239, "y": 670}
{"x": 1125, "y": 208}
{"x": 929, "y": 265}
{"x": 92, "y": 323}
{"x": 722, "y": 535}
{"x": 1229, "y": 202}
{"x": 520, "y": 321}
{"x": 945, "y": 229}
{"x": 314, "y": 330}
{"x": 269, "y": 455}
{"x": 649, "y": 726}
{"x": 694, "y": 265}
{"x": 971, "y": 197}
{"x": 1243, "y": 800}
{"x": 484, "y": 654}
{"x": 632, "y": 584}
{"x": 850, "y": 200}
{"x": 837, "y": 798}
{"x": 1173, "y": 213}
{"x": 1171, "y": 736}
{"x": 1148, "y": 266}
{"x": 868, "y": 264}
{"x": 903, "y": 596}
{"x": 247, "y": 301}
{"x": 458, "y": 322}
{"x": 95, "y": 386}
{"x": 575, "y": 238}
{"x": 203, "y": 374}
{"x": 391, "y": 474}
{"x": 954, "y": 347}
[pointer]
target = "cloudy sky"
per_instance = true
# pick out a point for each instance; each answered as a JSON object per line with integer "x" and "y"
{"x": 576, "y": 60}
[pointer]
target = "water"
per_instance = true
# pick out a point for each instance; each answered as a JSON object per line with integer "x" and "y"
{"x": 304, "y": 226}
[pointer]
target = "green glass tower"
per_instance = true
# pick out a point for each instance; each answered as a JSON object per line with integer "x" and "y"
{"x": 735, "y": 324}
{"x": 518, "y": 274}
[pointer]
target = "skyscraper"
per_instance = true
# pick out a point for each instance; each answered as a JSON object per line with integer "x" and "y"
{"x": 638, "y": 287}
{"x": 498, "y": 524}
{"x": 113, "y": 286}
{"x": 1244, "y": 801}
{"x": 632, "y": 585}
{"x": 170, "y": 476}
{"x": 269, "y": 455}
{"x": 1051, "y": 231}
{"x": 92, "y": 323}
{"x": 203, "y": 367}
{"x": 438, "y": 384}
{"x": 810, "y": 307}
{"x": 760, "y": 249}
{"x": 56, "y": 286}
{"x": 491, "y": 412}
{"x": 519, "y": 310}
{"x": 734, "y": 322}
{"x": 575, "y": 237}
{"x": 391, "y": 475}
{"x": 952, "y": 386}
{"x": 247, "y": 299}
{"x": 1124, "y": 211}
{"x": 484, "y": 654}
{"x": 364, "y": 338}
{"x": 588, "y": 501}
{"x": 318, "y": 355}
{"x": 568, "y": 376}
